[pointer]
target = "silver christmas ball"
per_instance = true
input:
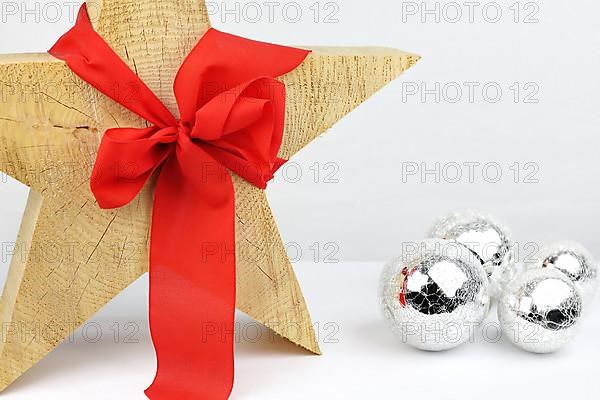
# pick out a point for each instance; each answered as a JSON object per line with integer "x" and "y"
{"x": 540, "y": 311}
{"x": 573, "y": 260}
{"x": 434, "y": 297}
{"x": 487, "y": 238}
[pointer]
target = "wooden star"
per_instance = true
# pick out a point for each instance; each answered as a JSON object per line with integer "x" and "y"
{"x": 72, "y": 257}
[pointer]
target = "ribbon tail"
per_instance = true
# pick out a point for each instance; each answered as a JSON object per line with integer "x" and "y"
{"x": 193, "y": 284}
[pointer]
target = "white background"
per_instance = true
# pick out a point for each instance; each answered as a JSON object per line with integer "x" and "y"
{"x": 371, "y": 208}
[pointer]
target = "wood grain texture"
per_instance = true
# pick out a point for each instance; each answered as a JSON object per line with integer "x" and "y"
{"x": 73, "y": 257}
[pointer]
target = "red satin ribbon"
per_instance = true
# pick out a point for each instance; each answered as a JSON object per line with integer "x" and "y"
{"x": 232, "y": 118}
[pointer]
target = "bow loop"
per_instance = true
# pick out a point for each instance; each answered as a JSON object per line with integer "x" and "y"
{"x": 126, "y": 159}
{"x": 232, "y": 110}
{"x": 244, "y": 127}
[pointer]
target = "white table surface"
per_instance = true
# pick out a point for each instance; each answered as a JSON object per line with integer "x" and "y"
{"x": 362, "y": 359}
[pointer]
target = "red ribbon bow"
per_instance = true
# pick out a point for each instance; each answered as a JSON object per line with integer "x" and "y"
{"x": 232, "y": 118}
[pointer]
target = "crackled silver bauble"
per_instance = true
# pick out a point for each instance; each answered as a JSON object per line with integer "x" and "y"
{"x": 487, "y": 238}
{"x": 540, "y": 311}
{"x": 435, "y": 295}
{"x": 573, "y": 260}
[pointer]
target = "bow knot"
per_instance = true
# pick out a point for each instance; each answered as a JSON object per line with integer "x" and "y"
{"x": 170, "y": 134}
{"x": 240, "y": 129}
